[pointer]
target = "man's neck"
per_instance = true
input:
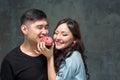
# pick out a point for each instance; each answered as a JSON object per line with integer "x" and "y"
{"x": 29, "y": 49}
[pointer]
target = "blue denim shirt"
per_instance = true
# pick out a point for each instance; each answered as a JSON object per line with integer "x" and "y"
{"x": 72, "y": 68}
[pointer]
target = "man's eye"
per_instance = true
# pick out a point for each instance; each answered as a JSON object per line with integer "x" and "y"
{"x": 39, "y": 26}
{"x": 46, "y": 27}
{"x": 64, "y": 34}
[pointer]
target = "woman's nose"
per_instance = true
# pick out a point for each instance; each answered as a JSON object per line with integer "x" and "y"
{"x": 58, "y": 37}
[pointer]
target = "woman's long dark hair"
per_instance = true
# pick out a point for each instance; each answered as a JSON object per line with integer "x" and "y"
{"x": 78, "y": 45}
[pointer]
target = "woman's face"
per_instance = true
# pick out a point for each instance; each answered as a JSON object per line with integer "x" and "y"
{"x": 63, "y": 37}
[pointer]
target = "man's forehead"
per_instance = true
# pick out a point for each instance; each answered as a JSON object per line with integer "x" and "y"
{"x": 41, "y": 22}
{"x": 37, "y": 22}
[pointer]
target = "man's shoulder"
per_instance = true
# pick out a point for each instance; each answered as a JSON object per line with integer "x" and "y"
{"x": 13, "y": 52}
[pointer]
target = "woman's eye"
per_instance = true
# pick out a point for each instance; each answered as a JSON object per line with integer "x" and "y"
{"x": 55, "y": 33}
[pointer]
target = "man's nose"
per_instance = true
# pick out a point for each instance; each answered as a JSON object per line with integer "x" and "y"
{"x": 44, "y": 31}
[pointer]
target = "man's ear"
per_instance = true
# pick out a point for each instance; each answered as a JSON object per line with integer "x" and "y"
{"x": 24, "y": 29}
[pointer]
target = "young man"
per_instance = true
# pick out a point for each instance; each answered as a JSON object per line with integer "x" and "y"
{"x": 22, "y": 63}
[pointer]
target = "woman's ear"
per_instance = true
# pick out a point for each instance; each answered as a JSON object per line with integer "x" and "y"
{"x": 24, "y": 29}
{"x": 74, "y": 42}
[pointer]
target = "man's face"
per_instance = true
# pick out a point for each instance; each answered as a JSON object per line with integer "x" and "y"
{"x": 36, "y": 30}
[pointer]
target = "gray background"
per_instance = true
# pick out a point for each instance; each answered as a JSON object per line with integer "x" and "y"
{"x": 100, "y": 27}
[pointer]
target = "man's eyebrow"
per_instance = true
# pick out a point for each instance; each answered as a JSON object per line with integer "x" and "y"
{"x": 43, "y": 25}
{"x": 47, "y": 24}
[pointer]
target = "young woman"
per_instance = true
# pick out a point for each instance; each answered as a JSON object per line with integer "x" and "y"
{"x": 68, "y": 60}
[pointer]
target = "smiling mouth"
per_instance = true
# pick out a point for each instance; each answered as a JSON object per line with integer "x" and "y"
{"x": 58, "y": 43}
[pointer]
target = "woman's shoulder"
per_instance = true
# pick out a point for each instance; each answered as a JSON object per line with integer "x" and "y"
{"x": 74, "y": 59}
{"x": 76, "y": 55}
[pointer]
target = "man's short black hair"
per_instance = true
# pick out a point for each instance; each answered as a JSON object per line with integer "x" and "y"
{"x": 32, "y": 15}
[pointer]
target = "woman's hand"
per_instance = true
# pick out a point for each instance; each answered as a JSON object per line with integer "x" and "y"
{"x": 42, "y": 49}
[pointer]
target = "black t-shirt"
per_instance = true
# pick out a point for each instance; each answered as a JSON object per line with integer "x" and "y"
{"x": 19, "y": 66}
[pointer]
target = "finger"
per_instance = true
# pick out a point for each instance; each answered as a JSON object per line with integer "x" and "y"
{"x": 52, "y": 46}
{"x": 36, "y": 51}
{"x": 38, "y": 46}
{"x": 42, "y": 46}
